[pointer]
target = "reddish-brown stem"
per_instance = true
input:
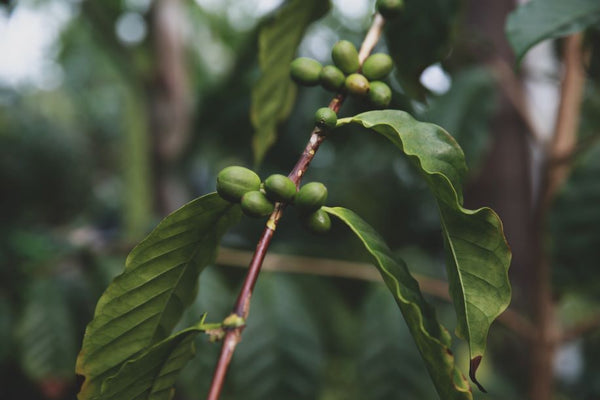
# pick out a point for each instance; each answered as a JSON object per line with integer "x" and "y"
{"x": 242, "y": 305}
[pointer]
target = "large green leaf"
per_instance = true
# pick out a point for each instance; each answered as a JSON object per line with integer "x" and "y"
{"x": 143, "y": 304}
{"x": 478, "y": 256}
{"x": 274, "y": 93}
{"x": 539, "y": 20}
{"x": 420, "y": 36}
{"x": 152, "y": 375}
{"x": 432, "y": 340}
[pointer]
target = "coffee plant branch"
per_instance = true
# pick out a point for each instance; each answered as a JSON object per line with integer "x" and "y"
{"x": 242, "y": 304}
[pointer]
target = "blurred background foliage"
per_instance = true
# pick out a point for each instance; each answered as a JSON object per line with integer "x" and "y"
{"x": 132, "y": 108}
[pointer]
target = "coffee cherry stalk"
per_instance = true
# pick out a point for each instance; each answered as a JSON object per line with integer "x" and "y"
{"x": 239, "y": 184}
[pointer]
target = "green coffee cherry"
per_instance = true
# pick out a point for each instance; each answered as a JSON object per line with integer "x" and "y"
{"x": 305, "y": 71}
{"x": 380, "y": 94}
{"x": 280, "y": 188}
{"x": 325, "y": 118}
{"x": 318, "y": 221}
{"x": 345, "y": 56}
{"x": 233, "y": 182}
{"x": 256, "y": 204}
{"x": 357, "y": 84}
{"x": 390, "y": 8}
{"x": 332, "y": 78}
{"x": 377, "y": 66}
{"x": 311, "y": 197}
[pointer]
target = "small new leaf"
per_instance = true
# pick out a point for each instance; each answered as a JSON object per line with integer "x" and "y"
{"x": 152, "y": 375}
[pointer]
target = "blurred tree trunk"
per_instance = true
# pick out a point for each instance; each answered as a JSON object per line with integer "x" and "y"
{"x": 505, "y": 183}
{"x": 169, "y": 100}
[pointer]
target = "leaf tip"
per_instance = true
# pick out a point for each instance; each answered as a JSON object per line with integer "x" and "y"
{"x": 473, "y": 370}
{"x": 79, "y": 380}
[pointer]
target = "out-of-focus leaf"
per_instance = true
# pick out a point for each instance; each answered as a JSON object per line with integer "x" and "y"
{"x": 419, "y": 37}
{"x": 477, "y": 254}
{"x": 390, "y": 365}
{"x": 274, "y": 93}
{"x": 152, "y": 375}
{"x": 280, "y": 356}
{"x": 143, "y": 304}
{"x": 431, "y": 338}
{"x": 574, "y": 226}
{"x": 45, "y": 333}
{"x": 466, "y": 111}
{"x": 538, "y": 20}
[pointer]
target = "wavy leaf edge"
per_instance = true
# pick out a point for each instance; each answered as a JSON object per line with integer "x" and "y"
{"x": 444, "y": 339}
{"x": 476, "y": 352}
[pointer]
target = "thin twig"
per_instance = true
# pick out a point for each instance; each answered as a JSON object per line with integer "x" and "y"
{"x": 569, "y": 112}
{"x": 586, "y": 326}
{"x": 512, "y": 88}
{"x": 563, "y": 142}
{"x": 242, "y": 305}
{"x": 582, "y": 146}
{"x": 511, "y": 319}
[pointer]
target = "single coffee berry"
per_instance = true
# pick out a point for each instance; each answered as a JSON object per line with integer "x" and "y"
{"x": 256, "y": 204}
{"x": 311, "y": 197}
{"x": 345, "y": 56}
{"x": 377, "y": 66}
{"x": 305, "y": 71}
{"x": 357, "y": 84}
{"x": 233, "y": 182}
{"x": 332, "y": 78}
{"x": 325, "y": 118}
{"x": 380, "y": 94}
{"x": 318, "y": 222}
{"x": 280, "y": 188}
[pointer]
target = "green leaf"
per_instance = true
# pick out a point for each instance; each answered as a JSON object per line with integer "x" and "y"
{"x": 477, "y": 254}
{"x": 432, "y": 340}
{"x": 152, "y": 375}
{"x": 274, "y": 93}
{"x": 466, "y": 111}
{"x": 45, "y": 332}
{"x": 422, "y": 35}
{"x": 539, "y": 20}
{"x": 143, "y": 304}
{"x": 280, "y": 356}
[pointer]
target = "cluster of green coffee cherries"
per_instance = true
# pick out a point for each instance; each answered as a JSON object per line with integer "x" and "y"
{"x": 257, "y": 199}
{"x": 345, "y": 75}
